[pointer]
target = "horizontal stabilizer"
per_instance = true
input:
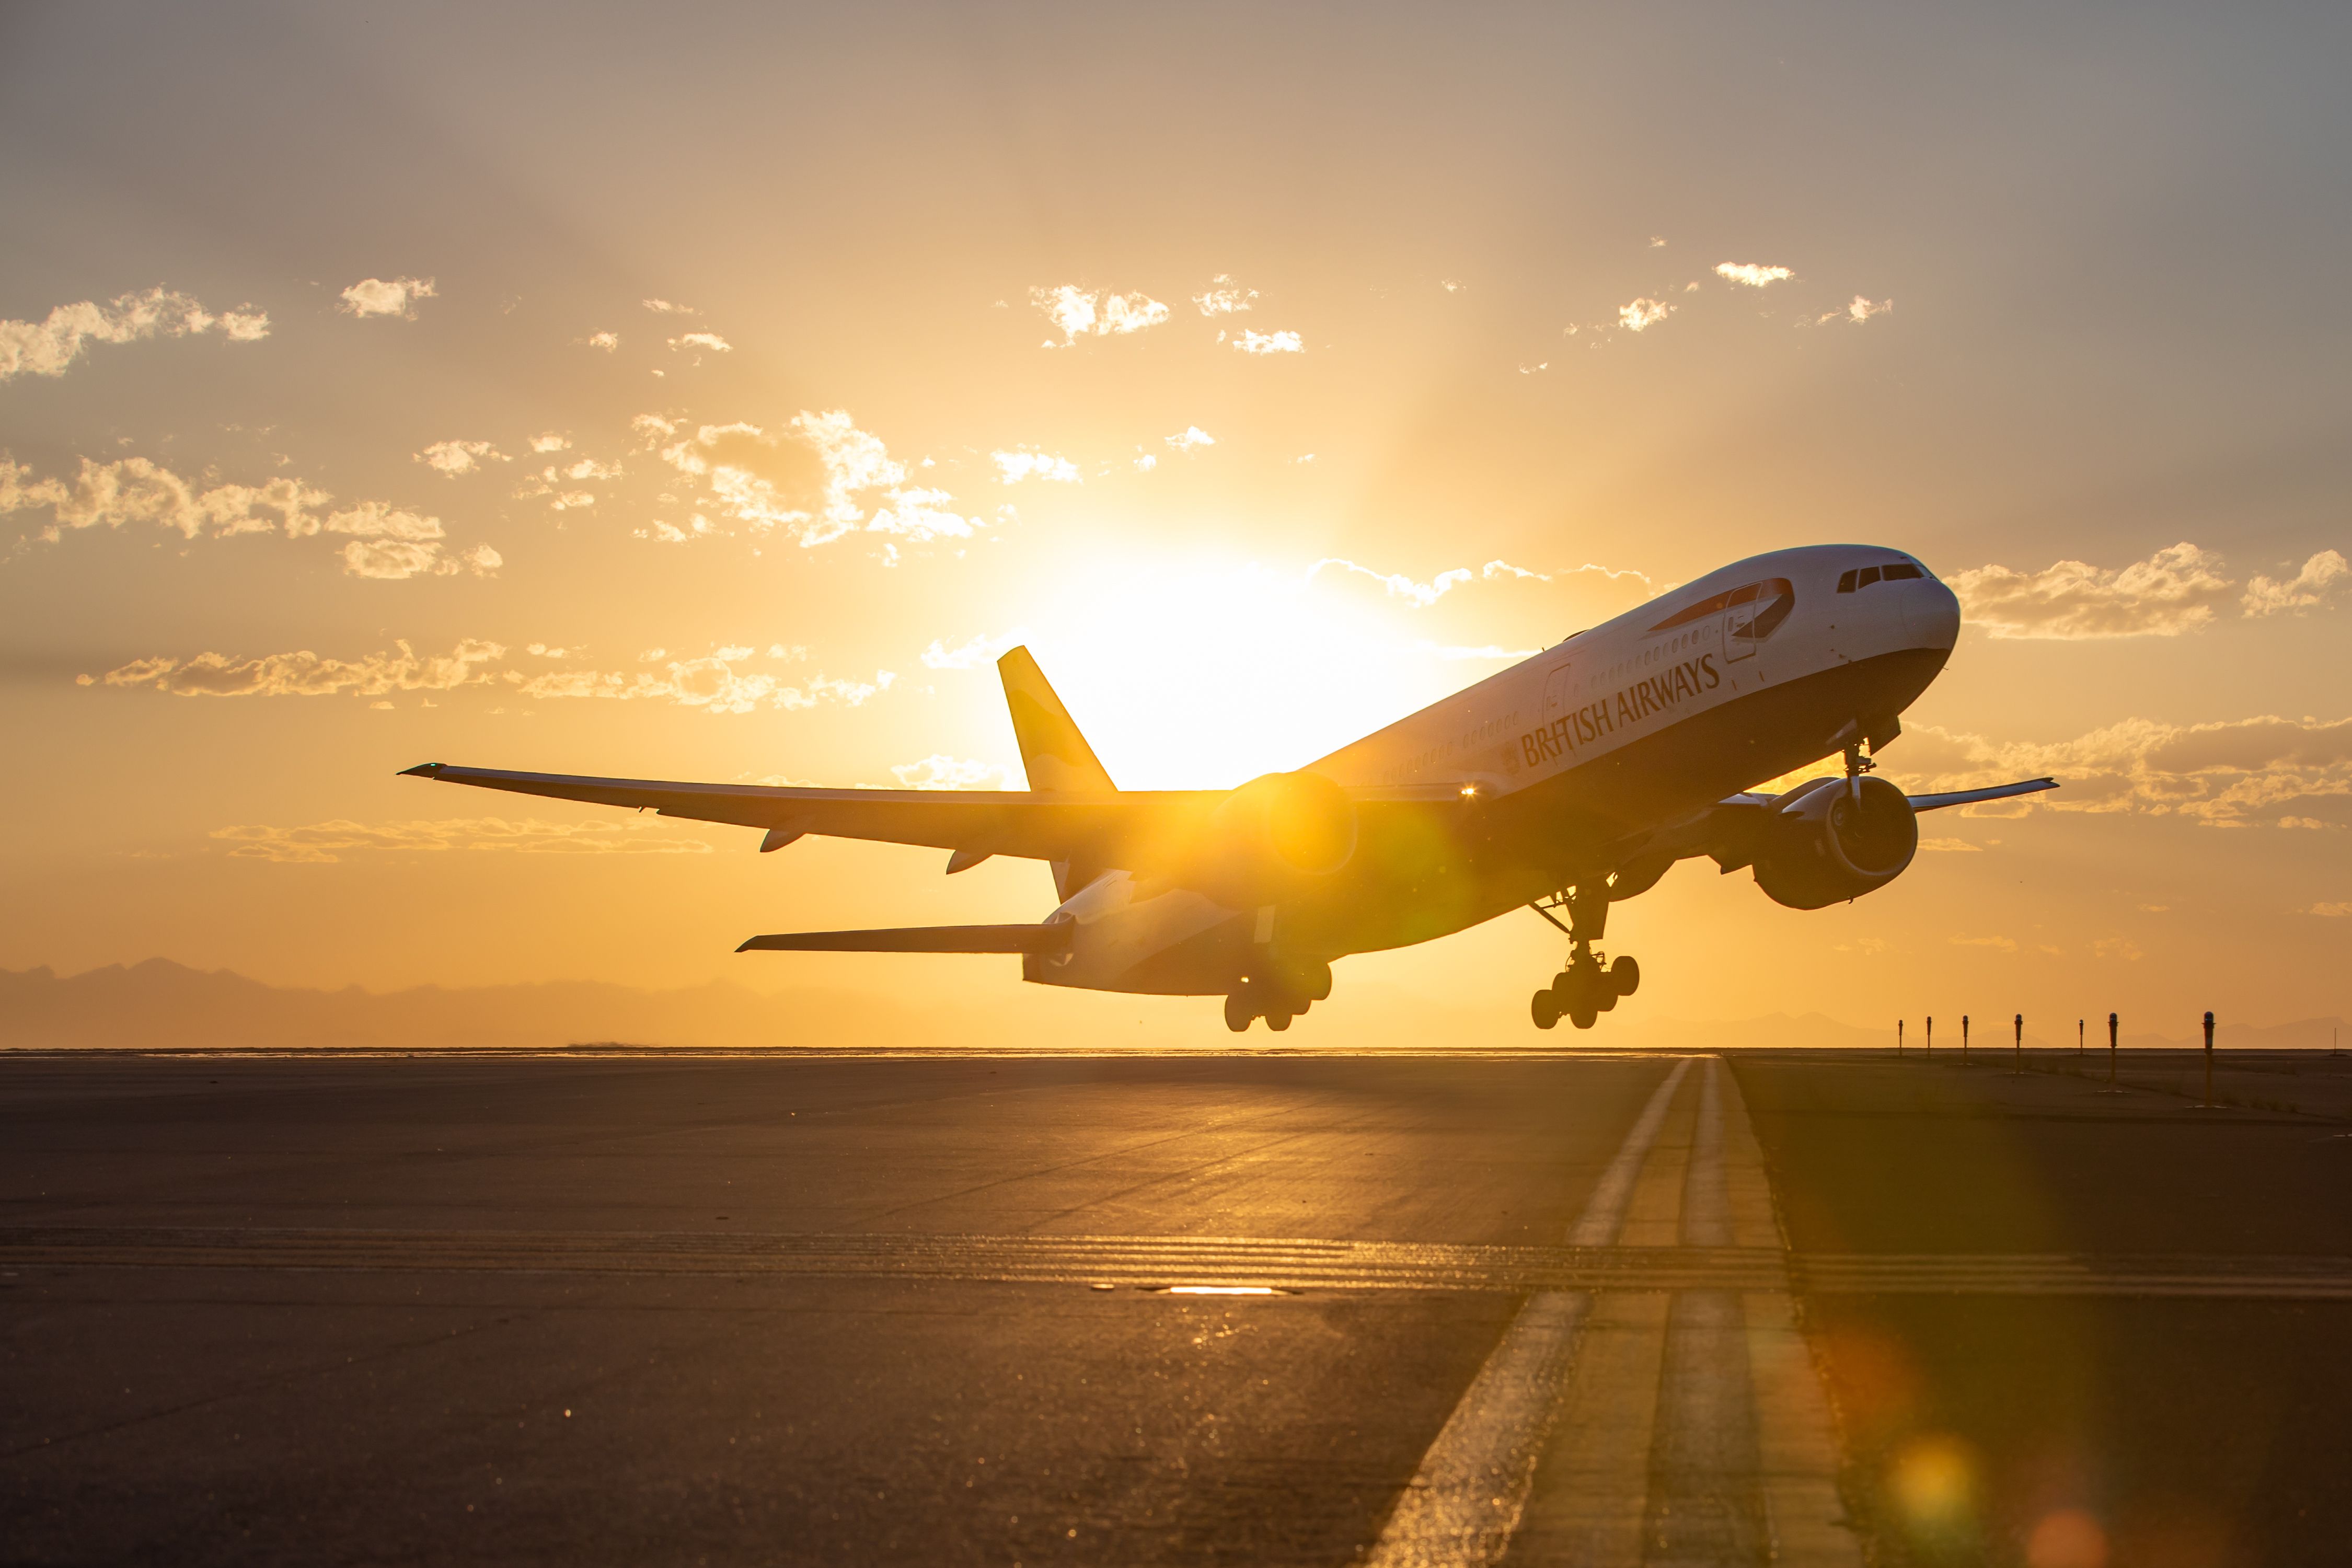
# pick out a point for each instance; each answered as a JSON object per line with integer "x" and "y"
{"x": 1053, "y": 938}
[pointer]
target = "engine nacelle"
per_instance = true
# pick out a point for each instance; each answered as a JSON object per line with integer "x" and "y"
{"x": 1825, "y": 842}
{"x": 1274, "y": 836}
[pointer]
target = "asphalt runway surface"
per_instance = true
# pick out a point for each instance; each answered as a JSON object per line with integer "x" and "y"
{"x": 1455, "y": 1308}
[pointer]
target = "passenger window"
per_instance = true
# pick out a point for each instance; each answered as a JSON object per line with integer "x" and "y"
{"x": 1869, "y": 575}
{"x": 1845, "y": 583}
{"x": 1902, "y": 571}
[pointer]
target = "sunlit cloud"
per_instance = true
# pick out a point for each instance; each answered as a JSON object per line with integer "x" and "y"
{"x": 710, "y": 341}
{"x": 608, "y": 342}
{"x": 664, "y": 307}
{"x": 550, "y": 442}
{"x": 456, "y": 457}
{"x": 1855, "y": 312}
{"x": 387, "y": 542}
{"x": 1642, "y": 314}
{"x": 1191, "y": 439}
{"x": 940, "y": 771}
{"x": 1251, "y": 342}
{"x": 1080, "y": 312}
{"x": 48, "y": 346}
{"x": 2324, "y": 577}
{"x": 2338, "y": 910}
{"x": 325, "y": 843}
{"x": 1017, "y": 464}
{"x": 1224, "y": 297}
{"x": 810, "y": 478}
{"x": 1751, "y": 274}
{"x": 986, "y": 648}
{"x": 2174, "y": 590}
{"x": 2238, "y": 773}
{"x": 1146, "y": 462}
{"x": 387, "y": 297}
{"x": 305, "y": 674}
{"x": 1421, "y": 594}
{"x": 714, "y": 684}
{"x": 1999, "y": 943}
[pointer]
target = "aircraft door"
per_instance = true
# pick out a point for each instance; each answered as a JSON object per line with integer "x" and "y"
{"x": 1556, "y": 700}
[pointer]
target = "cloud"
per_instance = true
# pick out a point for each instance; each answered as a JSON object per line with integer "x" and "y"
{"x": 1951, "y": 847}
{"x": 455, "y": 458}
{"x": 2000, "y": 943}
{"x": 1423, "y": 594}
{"x": 325, "y": 843}
{"x": 983, "y": 648}
{"x": 1224, "y": 297}
{"x": 608, "y": 342}
{"x": 2324, "y": 576}
{"x": 810, "y": 478}
{"x": 664, "y": 308}
{"x": 1020, "y": 463}
{"x": 2242, "y": 773}
{"x": 2331, "y": 911}
{"x": 1750, "y": 274}
{"x": 387, "y": 297}
{"x": 940, "y": 771}
{"x": 713, "y": 685}
{"x": 305, "y": 674}
{"x": 1192, "y": 439}
{"x": 710, "y": 341}
{"x": 1856, "y": 311}
{"x": 48, "y": 346}
{"x": 2121, "y": 947}
{"x": 550, "y": 442}
{"x": 2174, "y": 590}
{"x": 1079, "y": 312}
{"x": 1642, "y": 314}
{"x": 1146, "y": 462}
{"x": 1251, "y": 342}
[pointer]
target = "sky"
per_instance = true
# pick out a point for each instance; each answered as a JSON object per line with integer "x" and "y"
{"x": 713, "y": 392}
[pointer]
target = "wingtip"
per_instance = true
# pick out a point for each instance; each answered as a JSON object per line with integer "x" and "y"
{"x": 420, "y": 771}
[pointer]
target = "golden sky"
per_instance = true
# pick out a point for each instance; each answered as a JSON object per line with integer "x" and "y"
{"x": 713, "y": 394}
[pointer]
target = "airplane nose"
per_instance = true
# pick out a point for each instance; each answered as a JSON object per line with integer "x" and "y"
{"x": 1932, "y": 612}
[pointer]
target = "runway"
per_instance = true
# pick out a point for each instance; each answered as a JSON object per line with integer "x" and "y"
{"x": 1252, "y": 1307}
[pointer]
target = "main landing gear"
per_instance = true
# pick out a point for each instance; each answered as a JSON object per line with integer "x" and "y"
{"x": 1278, "y": 996}
{"x": 1589, "y": 985}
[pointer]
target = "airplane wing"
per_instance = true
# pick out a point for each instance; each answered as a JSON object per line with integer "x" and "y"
{"x": 1115, "y": 828}
{"x": 1971, "y": 797}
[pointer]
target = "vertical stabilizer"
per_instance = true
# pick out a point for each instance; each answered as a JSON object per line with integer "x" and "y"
{"x": 1057, "y": 757}
{"x": 1058, "y": 760}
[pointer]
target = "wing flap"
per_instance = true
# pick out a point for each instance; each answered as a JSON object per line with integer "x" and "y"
{"x": 1054, "y": 938}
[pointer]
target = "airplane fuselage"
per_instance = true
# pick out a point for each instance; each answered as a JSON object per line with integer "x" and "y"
{"x": 1573, "y": 764}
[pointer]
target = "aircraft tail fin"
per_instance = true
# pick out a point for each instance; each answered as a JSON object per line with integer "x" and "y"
{"x": 1058, "y": 760}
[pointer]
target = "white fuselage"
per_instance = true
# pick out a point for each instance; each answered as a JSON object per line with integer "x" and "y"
{"x": 1709, "y": 689}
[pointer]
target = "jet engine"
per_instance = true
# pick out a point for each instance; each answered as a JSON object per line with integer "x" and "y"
{"x": 1271, "y": 837}
{"x": 1830, "y": 840}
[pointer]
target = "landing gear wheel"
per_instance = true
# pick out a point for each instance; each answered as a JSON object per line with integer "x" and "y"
{"x": 1278, "y": 1022}
{"x": 1625, "y": 976}
{"x": 1238, "y": 1013}
{"x": 1582, "y": 1017}
{"x": 1544, "y": 1010}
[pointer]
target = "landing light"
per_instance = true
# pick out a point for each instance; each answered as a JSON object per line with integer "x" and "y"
{"x": 1469, "y": 792}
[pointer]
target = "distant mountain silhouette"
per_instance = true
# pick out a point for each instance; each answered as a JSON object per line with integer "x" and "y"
{"x": 161, "y": 1004}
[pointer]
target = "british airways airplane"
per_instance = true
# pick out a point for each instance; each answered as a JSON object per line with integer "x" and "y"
{"x": 1564, "y": 783}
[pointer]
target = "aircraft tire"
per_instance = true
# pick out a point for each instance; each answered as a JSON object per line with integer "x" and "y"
{"x": 1238, "y": 1014}
{"x": 1625, "y": 976}
{"x": 1583, "y": 1017}
{"x": 1278, "y": 1022}
{"x": 1544, "y": 1010}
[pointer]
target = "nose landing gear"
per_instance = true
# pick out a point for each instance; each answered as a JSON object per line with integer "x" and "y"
{"x": 1589, "y": 985}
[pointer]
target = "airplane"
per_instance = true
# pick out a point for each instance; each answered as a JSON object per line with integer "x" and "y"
{"x": 1566, "y": 784}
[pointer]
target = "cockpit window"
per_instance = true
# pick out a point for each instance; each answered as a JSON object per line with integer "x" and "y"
{"x": 1863, "y": 577}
